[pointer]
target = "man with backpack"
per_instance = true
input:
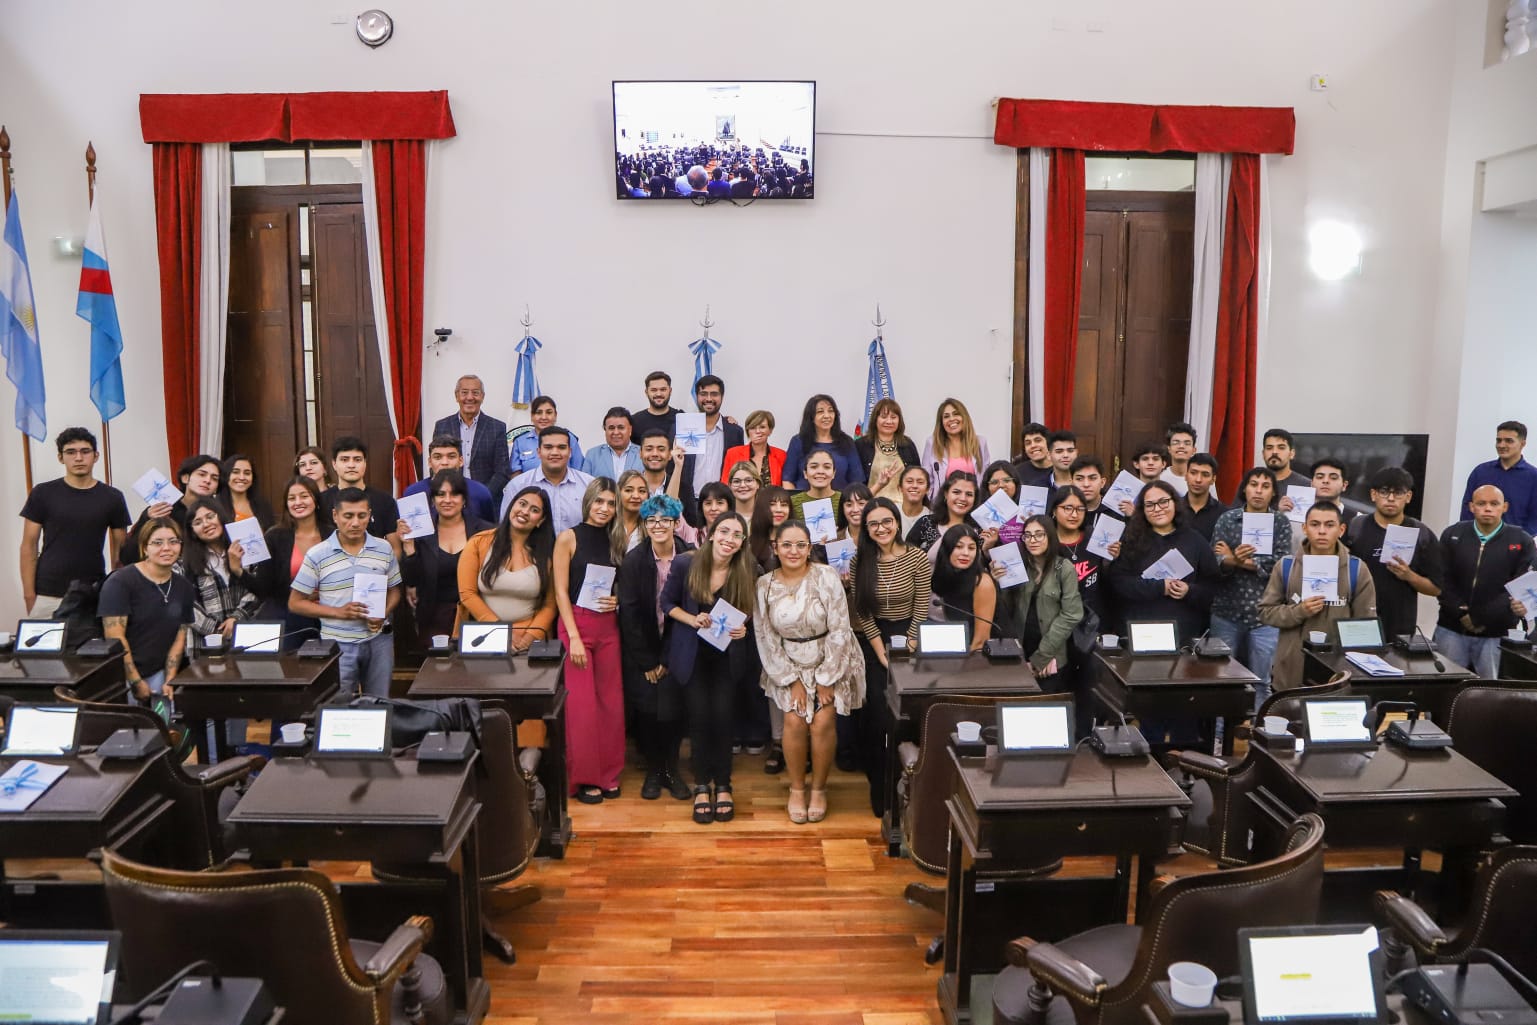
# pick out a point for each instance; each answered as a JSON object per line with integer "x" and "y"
{"x": 1283, "y": 606}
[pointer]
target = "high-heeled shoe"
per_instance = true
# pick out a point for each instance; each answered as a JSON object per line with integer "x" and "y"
{"x": 816, "y": 811}
{"x": 796, "y": 805}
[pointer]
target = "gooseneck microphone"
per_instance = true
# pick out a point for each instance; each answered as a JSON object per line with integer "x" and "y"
{"x": 1434, "y": 658}
{"x": 31, "y": 642}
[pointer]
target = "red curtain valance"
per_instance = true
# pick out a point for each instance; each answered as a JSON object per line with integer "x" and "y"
{"x": 1071, "y": 124}
{"x": 285, "y": 117}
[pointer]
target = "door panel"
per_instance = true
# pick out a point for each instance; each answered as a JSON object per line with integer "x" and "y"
{"x": 1096, "y": 374}
{"x": 1159, "y": 278}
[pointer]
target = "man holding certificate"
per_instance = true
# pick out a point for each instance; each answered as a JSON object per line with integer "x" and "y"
{"x": 1311, "y": 590}
{"x": 1403, "y": 554}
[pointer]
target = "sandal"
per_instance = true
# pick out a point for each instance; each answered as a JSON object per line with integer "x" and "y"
{"x": 816, "y": 811}
{"x": 796, "y": 805}
{"x": 589, "y": 795}
{"x": 774, "y": 764}
{"x": 725, "y": 810}
{"x": 704, "y": 811}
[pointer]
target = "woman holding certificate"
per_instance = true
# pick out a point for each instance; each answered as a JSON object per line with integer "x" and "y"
{"x": 708, "y": 595}
{"x": 430, "y": 564}
{"x": 589, "y": 628}
{"x": 1249, "y": 540}
{"x": 1165, "y": 571}
{"x": 886, "y": 450}
{"x": 1048, "y": 605}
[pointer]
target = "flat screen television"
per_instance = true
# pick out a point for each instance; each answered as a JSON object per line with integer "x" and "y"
{"x": 711, "y": 141}
{"x": 1365, "y": 454}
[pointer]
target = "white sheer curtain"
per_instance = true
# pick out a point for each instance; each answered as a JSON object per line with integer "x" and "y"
{"x": 1213, "y": 171}
{"x": 1262, "y": 323}
{"x": 376, "y": 280}
{"x": 213, "y": 317}
{"x": 1040, "y": 172}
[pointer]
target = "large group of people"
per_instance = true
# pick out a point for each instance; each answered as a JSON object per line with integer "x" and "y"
{"x": 708, "y": 171}
{"x": 750, "y": 597}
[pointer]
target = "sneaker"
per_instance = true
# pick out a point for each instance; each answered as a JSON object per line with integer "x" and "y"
{"x": 679, "y": 790}
{"x": 651, "y": 789}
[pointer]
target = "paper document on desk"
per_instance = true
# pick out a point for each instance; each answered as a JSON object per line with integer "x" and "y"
{"x": 1013, "y": 563}
{"x": 1524, "y": 590}
{"x": 724, "y": 618}
{"x": 155, "y": 487}
{"x": 1372, "y": 665}
{"x": 25, "y": 782}
{"x": 1321, "y": 577}
{"x": 370, "y": 590}
{"x": 998, "y": 510}
{"x": 1107, "y": 531}
{"x": 1399, "y": 542}
{"x": 247, "y": 533}
{"x": 418, "y": 516}
{"x": 598, "y": 582}
{"x": 1302, "y": 500}
{"x": 1173, "y": 566}
{"x": 1126, "y": 488}
{"x": 1259, "y": 532}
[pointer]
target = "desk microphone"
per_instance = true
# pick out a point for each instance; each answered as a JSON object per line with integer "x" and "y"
{"x": 1206, "y": 646}
{"x": 1119, "y": 741}
{"x": 1431, "y": 650}
{"x": 283, "y": 639}
{"x": 1001, "y": 649}
{"x": 31, "y": 642}
{"x": 479, "y": 640}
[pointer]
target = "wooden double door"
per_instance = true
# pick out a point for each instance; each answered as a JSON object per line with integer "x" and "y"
{"x": 1134, "y": 321}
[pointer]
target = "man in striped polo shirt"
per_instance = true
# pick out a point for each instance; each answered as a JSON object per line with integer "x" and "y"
{"x": 323, "y": 589}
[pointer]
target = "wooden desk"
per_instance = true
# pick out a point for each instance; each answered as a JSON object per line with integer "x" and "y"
{"x": 1175, "y": 687}
{"x": 1390, "y": 797}
{"x": 246, "y": 687}
{"x": 1027, "y": 810}
{"x": 1518, "y": 663}
{"x": 916, "y": 683}
{"x": 526, "y": 692}
{"x": 1431, "y": 692}
{"x": 31, "y": 678}
{"x": 393, "y": 810}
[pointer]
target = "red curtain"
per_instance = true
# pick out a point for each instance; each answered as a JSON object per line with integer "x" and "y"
{"x": 1144, "y": 128}
{"x": 400, "y": 180}
{"x": 1065, "y": 206}
{"x": 179, "y": 238}
{"x": 284, "y": 117}
{"x": 1233, "y": 374}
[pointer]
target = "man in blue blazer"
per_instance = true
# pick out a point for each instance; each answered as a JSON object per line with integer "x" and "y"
{"x": 483, "y": 438}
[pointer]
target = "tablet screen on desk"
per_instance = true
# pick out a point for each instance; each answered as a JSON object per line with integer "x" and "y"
{"x": 39, "y": 637}
{"x": 1035, "y": 727}
{"x": 941, "y": 639}
{"x": 41, "y": 730}
{"x": 353, "y": 732}
{"x": 57, "y": 978}
{"x": 1360, "y": 634}
{"x": 260, "y": 638}
{"x": 1336, "y": 721}
{"x": 484, "y": 638}
{"x": 1314, "y": 974}
{"x": 1154, "y": 638}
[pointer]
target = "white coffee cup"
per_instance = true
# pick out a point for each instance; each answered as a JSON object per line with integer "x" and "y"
{"x": 1318, "y": 636}
{"x": 5, "y": 639}
{"x": 968, "y": 732}
{"x": 1276, "y": 724}
{"x": 1191, "y": 984}
{"x": 440, "y": 640}
{"x": 292, "y": 732}
{"x": 213, "y": 642}
{"x": 1109, "y": 640}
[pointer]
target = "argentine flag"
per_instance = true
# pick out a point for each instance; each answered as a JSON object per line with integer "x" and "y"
{"x": 97, "y": 306}
{"x": 18, "y": 328}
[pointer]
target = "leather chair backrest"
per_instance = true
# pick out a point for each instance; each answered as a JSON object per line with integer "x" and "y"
{"x": 1197, "y": 918}
{"x": 1494, "y": 726}
{"x": 508, "y": 829}
{"x": 285, "y": 926}
{"x": 1288, "y": 703}
{"x": 1499, "y": 916}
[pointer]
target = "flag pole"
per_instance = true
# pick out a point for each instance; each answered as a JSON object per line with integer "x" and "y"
{"x": 5, "y": 188}
{"x": 90, "y": 193}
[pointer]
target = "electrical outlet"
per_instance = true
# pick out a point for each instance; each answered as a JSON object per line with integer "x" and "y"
{"x": 1319, "y": 83}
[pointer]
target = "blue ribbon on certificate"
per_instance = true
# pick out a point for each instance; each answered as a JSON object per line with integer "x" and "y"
{"x": 26, "y": 779}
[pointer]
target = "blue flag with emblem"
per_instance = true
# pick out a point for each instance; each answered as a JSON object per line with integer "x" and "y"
{"x": 18, "y": 328}
{"x": 877, "y": 382}
{"x": 525, "y": 386}
{"x": 704, "y": 350}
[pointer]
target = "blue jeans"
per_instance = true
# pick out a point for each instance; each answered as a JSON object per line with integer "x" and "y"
{"x": 1480, "y": 654}
{"x": 366, "y": 665}
{"x": 1254, "y": 646}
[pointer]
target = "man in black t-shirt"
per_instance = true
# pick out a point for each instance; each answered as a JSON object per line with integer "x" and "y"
{"x": 72, "y": 517}
{"x": 1278, "y": 450}
{"x": 349, "y": 462}
{"x": 1399, "y": 583}
{"x": 1199, "y": 505}
{"x": 659, "y": 414}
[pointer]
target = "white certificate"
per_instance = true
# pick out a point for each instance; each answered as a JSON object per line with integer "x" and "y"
{"x": 724, "y": 618}
{"x": 1399, "y": 542}
{"x": 370, "y": 590}
{"x": 1173, "y": 566}
{"x": 247, "y": 533}
{"x": 821, "y": 524}
{"x": 156, "y": 487}
{"x": 998, "y": 510}
{"x": 1524, "y": 590}
{"x": 840, "y": 554}
{"x": 597, "y": 583}
{"x": 415, "y": 511}
{"x": 1302, "y": 498}
{"x": 1013, "y": 563}
{"x": 1032, "y": 501}
{"x": 1321, "y": 577}
{"x": 689, "y": 433}
{"x": 1126, "y": 488}
{"x": 1107, "y": 531}
{"x": 1259, "y": 532}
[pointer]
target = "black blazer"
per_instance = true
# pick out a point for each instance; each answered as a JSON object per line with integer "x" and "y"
{"x": 421, "y": 570}
{"x": 489, "y": 461}
{"x": 864, "y": 447}
{"x": 688, "y": 490}
{"x": 641, "y": 641}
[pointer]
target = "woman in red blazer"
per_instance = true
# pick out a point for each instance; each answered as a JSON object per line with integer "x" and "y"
{"x": 770, "y": 461}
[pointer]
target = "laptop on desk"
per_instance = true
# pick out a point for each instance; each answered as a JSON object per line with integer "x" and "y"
{"x": 57, "y": 977}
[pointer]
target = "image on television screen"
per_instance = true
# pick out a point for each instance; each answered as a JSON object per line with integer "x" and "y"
{"x": 709, "y": 141}
{"x": 1363, "y": 455}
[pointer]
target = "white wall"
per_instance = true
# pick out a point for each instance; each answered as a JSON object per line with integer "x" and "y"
{"x": 914, "y": 207}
